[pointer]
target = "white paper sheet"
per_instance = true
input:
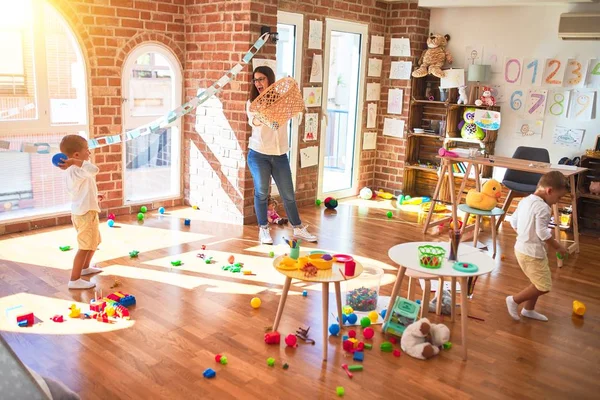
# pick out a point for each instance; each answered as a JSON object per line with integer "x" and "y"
{"x": 593, "y": 75}
{"x": 400, "y": 47}
{"x": 309, "y": 156}
{"x": 453, "y": 79}
{"x": 582, "y": 104}
{"x": 393, "y": 127}
{"x": 311, "y": 126}
{"x": 259, "y": 62}
{"x": 371, "y": 115}
{"x": 395, "y": 100}
{"x": 312, "y": 96}
{"x": 316, "y": 72}
{"x": 377, "y": 44}
{"x": 315, "y": 34}
{"x": 370, "y": 141}
{"x": 568, "y": 137}
{"x": 530, "y": 127}
{"x": 375, "y": 67}
{"x": 373, "y": 91}
{"x": 400, "y": 69}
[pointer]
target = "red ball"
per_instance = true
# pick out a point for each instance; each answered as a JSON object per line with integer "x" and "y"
{"x": 393, "y": 340}
{"x": 111, "y": 216}
{"x": 396, "y": 353}
{"x": 351, "y": 333}
{"x": 368, "y": 333}
{"x": 291, "y": 340}
{"x": 218, "y": 358}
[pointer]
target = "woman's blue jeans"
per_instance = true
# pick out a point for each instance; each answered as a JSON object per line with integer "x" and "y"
{"x": 262, "y": 167}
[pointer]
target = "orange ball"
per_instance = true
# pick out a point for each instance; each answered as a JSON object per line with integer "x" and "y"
{"x": 231, "y": 259}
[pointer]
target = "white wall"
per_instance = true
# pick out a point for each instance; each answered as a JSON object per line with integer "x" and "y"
{"x": 520, "y": 32}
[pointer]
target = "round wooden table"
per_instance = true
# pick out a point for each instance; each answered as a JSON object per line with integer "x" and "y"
{"x": 325, "y": 277}
{"x": 406, "y": 256}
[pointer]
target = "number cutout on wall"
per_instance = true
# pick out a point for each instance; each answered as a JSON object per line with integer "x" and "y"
{"x": 593, "y": 76}
{"x": 532, "y": 72}
{"x": 582, "y": 104}
{"x": 575, "y": 73}
{"x": 554, "y": 71}
{"x": 536, "y": 103}
{"x": 513, "y": 70}
{"x": 558, "y": 103}
{"x": 516, "y": 101}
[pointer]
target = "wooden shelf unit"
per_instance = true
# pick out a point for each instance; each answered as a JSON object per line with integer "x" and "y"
{"x": 588, "y": 204}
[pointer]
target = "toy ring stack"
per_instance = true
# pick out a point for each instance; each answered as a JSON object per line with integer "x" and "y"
{"x": 465, "y": 267}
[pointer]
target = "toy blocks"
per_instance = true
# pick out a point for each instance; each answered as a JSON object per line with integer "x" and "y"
{"x": 123, "y": 299}
{"x": 404, "y": 313}
{"x": 97, "y": 305}
{"x": 358, "y": 356}
{"x": 272, "y": 337}
{"x": 25, "y": 320}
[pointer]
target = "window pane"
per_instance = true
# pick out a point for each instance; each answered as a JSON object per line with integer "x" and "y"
{"x": 31, "y": 185}
{"x": 150, "y": 86}
{"x": 17, "y": 78}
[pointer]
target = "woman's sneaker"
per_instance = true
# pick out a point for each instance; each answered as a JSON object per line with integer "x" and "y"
{"x": 264, "y": 236}
{"x": 301, "y": 232}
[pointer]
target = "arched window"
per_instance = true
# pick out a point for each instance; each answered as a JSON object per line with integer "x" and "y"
{"x": 152, "y": 86}
{"x": 43, "y": 97}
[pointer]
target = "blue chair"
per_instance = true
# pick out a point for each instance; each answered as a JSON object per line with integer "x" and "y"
{"x": 495, "y": 212}
{"x": 520, "y": 183}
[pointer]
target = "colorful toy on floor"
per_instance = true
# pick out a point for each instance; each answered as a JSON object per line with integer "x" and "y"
{"x": 25, "y": 320}
{"x": 304, "y": 293}
{"x": 362, "y": 299}
{"x": 368, "y": 333}
{"x": 209, "y": 373}
{"x": 386, "y": 347}
{"x": 218, "y": 358}
{"x": 140, "y": 216}
{"x": 578, "y": 308}
{"x": 75, "y": 311}
{"x": 231, "y": 259}
{"x": 423, "y": 340}
{"x": 270, "y": 361}
{"x": 365, "y": 322}
{"x": 124, "y": 299}
{"x": 355, "y": 368}
{"x": 340, "y": 391}
{"x": 358, "y": 356}
{"x": 347, "y": 310}
{"x": 144, "y": 209}
{"x": 414, "y": 201}
{"x": 64, "y": 248}
{"x": 331, "y": 203}
{"x": 390, "y": 214}
{"x": 255, "y": 302}
{"x": 352, "y": 318}
{"x": 382, "y": 313}
{"x": 291, "y": 341}
{"x": 345, "y": 368}
{"x": 404, "y": 313}
{"x": 58, "y": 159}
{"x": 367, "y": 346}
{"x": 272, "y": 337}
{"x": 431, "y": 256}
{"x": 110, "y": 223}
{"x": 161, "y": 210}
{"x": 187, "y": 222}
{"x": 334, "y": 329}
{"x": 271, "y": 254}
{"x": 57, "y": 318}
{"x": 447, "y": 345}
{"x": 366, "y": 193}
{"x": 133, "y": 253}
{"x": 176, "y": 263}
{"x": 385, "y": 195}
{"x": 317, "y": 202}
{"x": 396, "y": 353}
{"x": 302, "y": 333}
{"x": 373, "y": 316}
{"x": 223, "y": 360}
{"x": 112, "y": 216}
{"x": 487, "y": 199}
{"x": 439, "y": 207}
{"x": 352, "y": 334}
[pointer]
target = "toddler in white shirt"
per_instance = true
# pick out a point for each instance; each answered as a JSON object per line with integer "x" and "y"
{"x": 81, "y": 185}
{"x": 530, "y": 220}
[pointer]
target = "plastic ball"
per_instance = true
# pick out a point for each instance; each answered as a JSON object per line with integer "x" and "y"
{"x": 344, "y": 318}
{"x": 347, "y": 310}
{"x": 143, "y": 209}
{"x": 366, "y": 193}
{"x": 111, "y": 223}
{"x": 111, "y": 216}
{"x": 365, "y": 322}
{"x": 373, "y": 316}
{"x": 255, "y": 302}
{"x": 334, "y": 329}
{"x": 161, "y": 210}
{"x": 352, "y": 318}
{"x": 318, "y": 202}
{"x": 304, "y": 293}
{"x": 271, "y": 254}
{"x": 223, "y": 360}
{"x": 390, "y": 214}
{"x": 291, "y": 340}
{"x": 140, "y": 216}
{"x": 58, "y": 158}
{"x": 195, "y": 207}
{"x": 352, "y": 333}
{"x": 7, "y": 205}
{"x": 382, "y": 313}
{"x": 218, "y": 358}
{"x": 418, "y": 301}
{"x": 368, "y": 333}
{"x": 331, "y": 203}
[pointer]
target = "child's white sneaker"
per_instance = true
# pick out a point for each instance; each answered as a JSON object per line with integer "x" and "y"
{"x": 513, "y": 308}
{"x": 301, "y": 232}
{"x": 81, "y": 284}
{"x": 534, "y": 315}
{"x": 90, "y": 270}
{"x": 264, "y": 236}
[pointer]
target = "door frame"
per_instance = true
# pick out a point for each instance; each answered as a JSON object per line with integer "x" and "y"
{"x": 177, "y": 96}
{"x": 362, "y": 29}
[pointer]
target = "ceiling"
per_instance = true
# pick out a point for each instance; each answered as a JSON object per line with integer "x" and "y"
{"x": 492, "y": 3}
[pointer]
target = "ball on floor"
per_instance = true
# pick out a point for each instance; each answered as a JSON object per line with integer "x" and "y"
{"x": 331, "y": 203}
{"x": 255, "y": 302}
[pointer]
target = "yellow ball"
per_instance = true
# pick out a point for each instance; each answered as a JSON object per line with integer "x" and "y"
{"x": 348, "y": 310}
{"x": 255, "y": 302}
{"x": 373, "y": 316}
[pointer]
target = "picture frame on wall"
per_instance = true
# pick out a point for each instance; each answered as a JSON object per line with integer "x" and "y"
{"x": 597, "y": 146}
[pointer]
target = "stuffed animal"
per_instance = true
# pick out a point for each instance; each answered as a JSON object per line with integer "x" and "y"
{"x": 468, "y": 129}
{"x": 423, "y": 340}
{"x": 432, "y": 60}
{"x": 487, "y": 198}
{"x": 462, "y": 95}
{"x": 595, "y": 187}
{"x": 486, "y": 97}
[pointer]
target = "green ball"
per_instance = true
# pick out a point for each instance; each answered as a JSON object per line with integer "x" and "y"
{"x": 223, "y": 360}
{"x": 143, "y": 209}
{"x": 318, "y": 202}
{"x": 140, "y": 216}
{"x": 365, "y": 322}
{"x": 390, "y": 214}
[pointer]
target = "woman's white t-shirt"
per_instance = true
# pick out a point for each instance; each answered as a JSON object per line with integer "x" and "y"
{"x": 265, "y": 140}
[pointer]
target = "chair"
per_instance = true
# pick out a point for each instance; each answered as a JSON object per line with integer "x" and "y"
{"x": 413, "y": 278}
{"x": 495, "y": 212}
{"x": 520, "y": 183}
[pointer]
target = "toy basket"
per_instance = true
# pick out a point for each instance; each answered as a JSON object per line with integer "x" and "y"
{"x": 431, "y": 256}
{"x": 362, "y": 293}
{"x": 280, "y": 102}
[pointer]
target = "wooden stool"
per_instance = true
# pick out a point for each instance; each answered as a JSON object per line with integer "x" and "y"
{"x": 413, "y": 278}
{"x": 478, "y": 214}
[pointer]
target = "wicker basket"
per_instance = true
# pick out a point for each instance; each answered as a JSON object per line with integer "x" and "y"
{"x": 431, "y": 256}
{"x": 280, "y": 102}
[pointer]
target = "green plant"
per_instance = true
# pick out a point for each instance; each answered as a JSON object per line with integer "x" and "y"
{"x": 340, "y": 81}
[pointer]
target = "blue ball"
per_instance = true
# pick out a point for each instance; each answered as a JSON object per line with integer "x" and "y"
{"x": 111, "y": 223}
{"x": 304, "y": 293}
{"x": 382, "y": 313}
{"x": 58, "y": 158}
{"x": 344, "y": 318}
{"x": 418, "y": 301}
{"x": 161, "y": 210}
{"x": 187, "y": 222}
{"x": 352, "y": 318}
{"x": 334, "y": 329}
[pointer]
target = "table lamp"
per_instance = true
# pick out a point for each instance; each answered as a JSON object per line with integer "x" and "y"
{"x": 477, "y": 73}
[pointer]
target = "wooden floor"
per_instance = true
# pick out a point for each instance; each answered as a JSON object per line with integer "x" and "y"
{"x": 184, "y": 317}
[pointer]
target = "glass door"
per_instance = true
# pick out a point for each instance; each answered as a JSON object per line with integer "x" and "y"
{"x": 343, "y": 87}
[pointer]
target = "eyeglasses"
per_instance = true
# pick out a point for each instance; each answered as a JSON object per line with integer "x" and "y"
{"x": 259, "y": 79}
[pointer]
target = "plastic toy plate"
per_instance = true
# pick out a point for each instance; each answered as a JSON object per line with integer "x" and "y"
{"x": 342, "y": 258}
{"x": 465, "y": 267}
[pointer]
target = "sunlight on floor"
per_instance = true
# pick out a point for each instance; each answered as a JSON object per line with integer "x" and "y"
{"x": 43, "y": 248}
{"x": 44, "y": 308}
{"x": 194, "y": 215}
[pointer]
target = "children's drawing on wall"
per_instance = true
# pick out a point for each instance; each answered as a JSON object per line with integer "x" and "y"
{"x": 309, "y": 156}
{"x": 453, "y": 79}
{"x": 493, "y": 57}
{"x": 259, "y": 62}
{"x": 593, "y": 75}
{"x": 312, "y": 96}
{"x": 400, "y": 69}
{"x": 582, "y": 104}
{"x": 377, "y": 44}
{"x": 568, "y": 137}
{"x": 316, "y": 72}
{"x": 486, "y": 119}
{"x": 400, "y": 47}
{"x": 315, "y": 34}
{"x": 375, "y": 67}
{"x": 395, "y": 100}
{"x": 473, "y": 55}
{"x": 558, "y": 103}
{"x": 554, "y": 72}
{"x": 373, "y": 91}
{"x": 311, "y": 125}
{"x": 536, "y": 103}
{"x": 370, "y": 141}
{"x": 513, "y": 70}
{"x": 371, "y": 115}
{"x": 575, "y": 73}
{"x": 393, "y": 127}
{"x": 530, "y": 127}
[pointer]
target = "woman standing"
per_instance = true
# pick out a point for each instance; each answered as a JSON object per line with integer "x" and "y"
{"x": 267, "y": 157}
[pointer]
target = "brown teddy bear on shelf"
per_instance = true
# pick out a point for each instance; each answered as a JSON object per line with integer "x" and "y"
{"x": 432, "y": 60}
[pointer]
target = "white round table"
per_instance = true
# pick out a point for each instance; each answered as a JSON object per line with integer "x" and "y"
{"x": 406, "y": 255}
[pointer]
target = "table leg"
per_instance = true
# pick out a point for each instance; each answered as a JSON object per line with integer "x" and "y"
{"x": 476, "y": 231}
{"x": 557, "y": 231}
{"x": 464, "y": 182}
{"x": 325, "y": 290}
{"x": 452, "y": 197}
{"x": 439, "y": 294}
{"x": 411, "y": 289}
{"x": 395, "y": 291}
{"x": 284, "y": 293}
{"x": 477, "y": 177}
{"x": 574, "y": 218}
{"x": 464, "y": 314}
{"x": 453, "y": 302}
{"x": 464, "y": 226}
{"x": 436, "y": 194}
{"x": 425, "y": 300}
{"x": 338, "y": 300}
{"x": 493, "y": 224}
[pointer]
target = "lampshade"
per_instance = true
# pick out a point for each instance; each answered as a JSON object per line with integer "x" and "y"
{"x": 478, "y": 73}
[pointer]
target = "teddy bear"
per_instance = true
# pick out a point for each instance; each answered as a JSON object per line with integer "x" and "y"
{"x": 486, "y": 98}
{"x": 432, "y": 60}
{"x": 462, "y": 94}
{"x": 423, "y": 340}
